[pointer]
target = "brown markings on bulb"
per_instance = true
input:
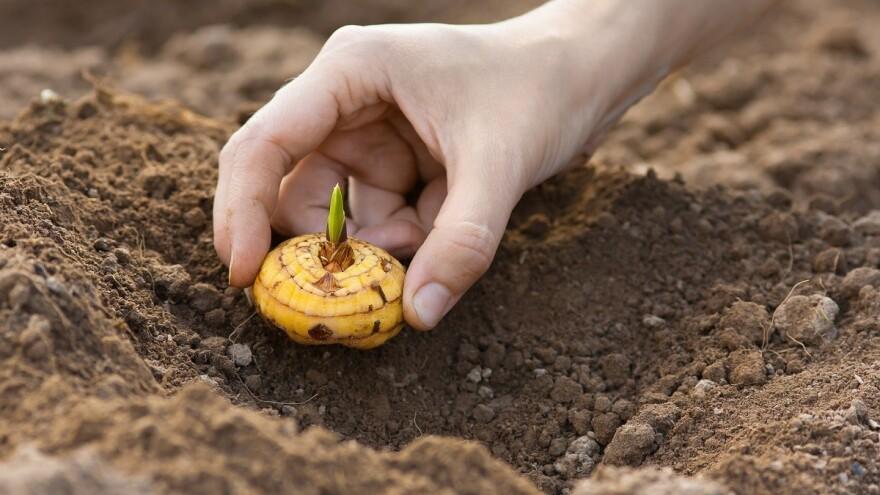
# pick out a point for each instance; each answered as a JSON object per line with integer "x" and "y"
{"x": 327, "y": 283}
{"x": 378, "y": 288}
{"x": 320, "y": 332}
{"x": 376, "y": 325}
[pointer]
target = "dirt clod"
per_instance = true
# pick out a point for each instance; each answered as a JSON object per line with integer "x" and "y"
{"x": 631, "y": 444}
{"x": 807, "y": 319}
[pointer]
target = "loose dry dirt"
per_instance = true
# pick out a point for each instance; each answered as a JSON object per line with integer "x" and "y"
{"x": 696, "y": 311}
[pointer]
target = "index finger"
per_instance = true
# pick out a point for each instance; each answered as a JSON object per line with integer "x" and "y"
{"x": 294, "y": 122}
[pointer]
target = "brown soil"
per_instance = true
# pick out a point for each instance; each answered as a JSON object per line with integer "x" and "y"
{"x": 629, "y": 319}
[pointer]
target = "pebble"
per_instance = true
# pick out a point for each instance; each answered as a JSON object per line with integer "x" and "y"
{"x": 579, "y": 459}
{"x": 485, "y": 392}
{"x": 807, "y": 319}
{"x": 123, "y": 255}
{"x": 703, "y": 386}
{"x": 474, "y": 375}
{"x": 857, "y": 469}
{"x": 653, "y": 321}
{"x": 102, "y": 244}
{"x": 56, "y": 287}
{"x": 241, "y": 354}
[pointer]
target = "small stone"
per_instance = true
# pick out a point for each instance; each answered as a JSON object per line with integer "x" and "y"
{"x": 475, "y": 375}
{"x": 241, "y": 354}
{"x": 857, "y": 469}
{"x": 288, "y": 410}
{"x": 807, "y": 319}
{"x": 204, "y": 297}
{"x": 857, "y": 411}
{"x": 55, "y": 286}
{"x": 109, "y": 265}
{"x": 195, "y": 218}
{"x": 123, "y": 255}
{"x": 102, "y": 244}
{"x": 831, "y": 260}
{"x": 215, "y": 318}
{"x": 632, "y": 443}
{"x": 565, "y": 390}
{"x": 747, "y": 368}
{"x": 485, "y": 392}
{"x": 579, "y": 459}
{"x": 483, "y": 413}
{"x": 703, "y": 387}
{"x": 653, "y": 321}
{"x": 557, "y": 447}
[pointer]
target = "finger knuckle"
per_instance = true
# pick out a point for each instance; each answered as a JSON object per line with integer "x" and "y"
{"x": 476, "y": 245}
{"x": 347, "y": 35}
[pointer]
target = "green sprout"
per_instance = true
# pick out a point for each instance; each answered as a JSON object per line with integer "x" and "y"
{"x": 336, "y": 218}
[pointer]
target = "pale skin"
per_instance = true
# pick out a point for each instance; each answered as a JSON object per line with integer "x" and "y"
{"x": 477, "y": 114}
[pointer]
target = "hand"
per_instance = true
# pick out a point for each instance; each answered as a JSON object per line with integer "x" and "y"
{"x": 476, "y": 114}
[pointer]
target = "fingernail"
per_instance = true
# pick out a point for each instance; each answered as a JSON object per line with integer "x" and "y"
{"x": 431, "y": 303}
{"x": 231, "y": 261}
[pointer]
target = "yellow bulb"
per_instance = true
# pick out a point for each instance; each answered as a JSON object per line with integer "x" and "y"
{"x": 317, "y": 301}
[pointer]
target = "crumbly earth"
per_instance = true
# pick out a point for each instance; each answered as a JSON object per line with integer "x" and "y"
{"x": 710, "y": 325}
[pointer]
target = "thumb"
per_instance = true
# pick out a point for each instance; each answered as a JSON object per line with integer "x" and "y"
{"x": 460, "y": 246}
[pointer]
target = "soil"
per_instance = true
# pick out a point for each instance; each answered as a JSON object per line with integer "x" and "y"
{"x": 697, "y": 310}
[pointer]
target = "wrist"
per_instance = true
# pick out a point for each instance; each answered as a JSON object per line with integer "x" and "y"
{"x": 604, "y": 54}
